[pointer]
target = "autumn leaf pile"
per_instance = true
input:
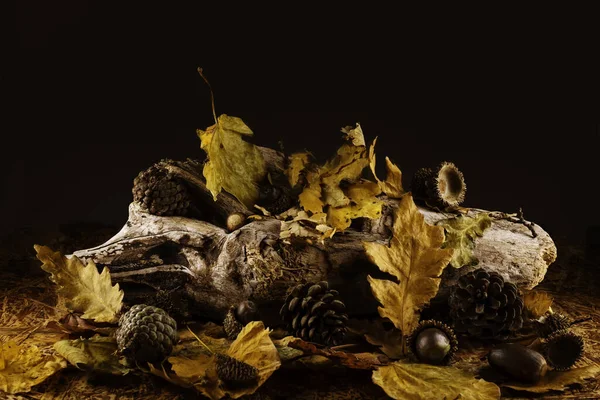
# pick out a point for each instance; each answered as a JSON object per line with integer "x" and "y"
{"x": 330, "y": 196}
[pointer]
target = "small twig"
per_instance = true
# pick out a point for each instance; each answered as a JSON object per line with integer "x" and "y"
{"x": 516, "y": 218}
{"x": 581, "y": 320}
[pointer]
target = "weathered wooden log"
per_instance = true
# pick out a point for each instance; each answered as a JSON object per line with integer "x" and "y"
{"x": 214, "y": 268}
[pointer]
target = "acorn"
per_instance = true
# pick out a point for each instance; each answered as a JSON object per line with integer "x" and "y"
{"x": 433, "y": 342}
{"x": 238, "y": 316}
{"x": 563, "y": 349}
{"x": 519, "y": 362}
{"x": 235, "y": 221}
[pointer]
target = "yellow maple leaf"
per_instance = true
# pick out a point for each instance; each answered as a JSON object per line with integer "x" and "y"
{"x": 408, "y": 381}
{"x": 310, "y": 198}
{"x": 392, "y": 186}
{"x": 363, "y": 203}
{"x": 323, "y": 191}
{"x": 82, "y": 287}
{"x": 416, "y": 258}
{"x": 297, "y": 164}
{"x": 346, "y": 165}
{"x": 22, "y": 367}
{"x": 233, "y": 164}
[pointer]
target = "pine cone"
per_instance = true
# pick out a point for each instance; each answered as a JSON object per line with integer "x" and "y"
{"x": 233, "y": 371}
{"x": 551, "y": 323}
{"x": 485, "y": 306}
{"x": 160, "y": 193}
{"x": 146, "y": 334}
{"x": 275, "y": 199}
{"x": 238, "y": 317}
{"x": 443, "y": 186}
{"x": 315, "y": 313}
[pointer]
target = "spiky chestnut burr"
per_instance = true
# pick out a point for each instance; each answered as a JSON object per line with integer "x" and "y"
{"x": 563, "y": 349}
{"x": 550, "y": 323}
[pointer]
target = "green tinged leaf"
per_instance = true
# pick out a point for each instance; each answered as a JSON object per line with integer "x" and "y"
{"x": 97, "y": 353}
{"x": 403, "y": 380}
{"x": 461, "y": 233}
{"x": 233, "y": 164}
{"x": 82, "y": 287}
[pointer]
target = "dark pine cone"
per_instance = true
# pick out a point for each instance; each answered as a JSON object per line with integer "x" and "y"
{"x": 485, "y": 306}
{"x": 146, "y": 334}
{"x": 315, "y": 313}
{"x": 233, "y": 371}
{"x": 160, "y": 193}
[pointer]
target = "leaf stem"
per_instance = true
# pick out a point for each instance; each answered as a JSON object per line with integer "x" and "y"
{"x": 212, "y": 96}
{"x": 201, "y": 342}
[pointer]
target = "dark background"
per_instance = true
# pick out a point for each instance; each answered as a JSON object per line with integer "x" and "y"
{"x": 97, "y": 94}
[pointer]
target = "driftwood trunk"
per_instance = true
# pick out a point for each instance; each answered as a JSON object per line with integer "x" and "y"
{"x": 202, "y": 265}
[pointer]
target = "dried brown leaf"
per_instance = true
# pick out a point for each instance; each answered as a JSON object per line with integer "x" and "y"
{"x": 558, "y": 380}
{"x": 416, "y": 258}
{"x": 389, "y": 341}
{"x": 233, "y": 164}
{"x": 82, "y": 287}
{"x": 408, "y": 381}
{"x": 22, "y": 367}
{"x": 537, "y": 303}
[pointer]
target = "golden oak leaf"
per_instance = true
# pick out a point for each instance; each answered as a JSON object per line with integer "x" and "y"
{"x": 297, "y": 164}
{"x": 461, "y": 233}
{"x": 233, "y": 164}
{"x": 558, "y": 380}
{"x": 98, "y": 353}
{"x": 416, "y": 258}
{"x": 408, "y": 381}
{"x": 363, "y": 203}
{"x": 22, "y": 367}
{"x": 83, "y": 288}
{"x": 537, "y": 303}
{"x": 392, "y": 186}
